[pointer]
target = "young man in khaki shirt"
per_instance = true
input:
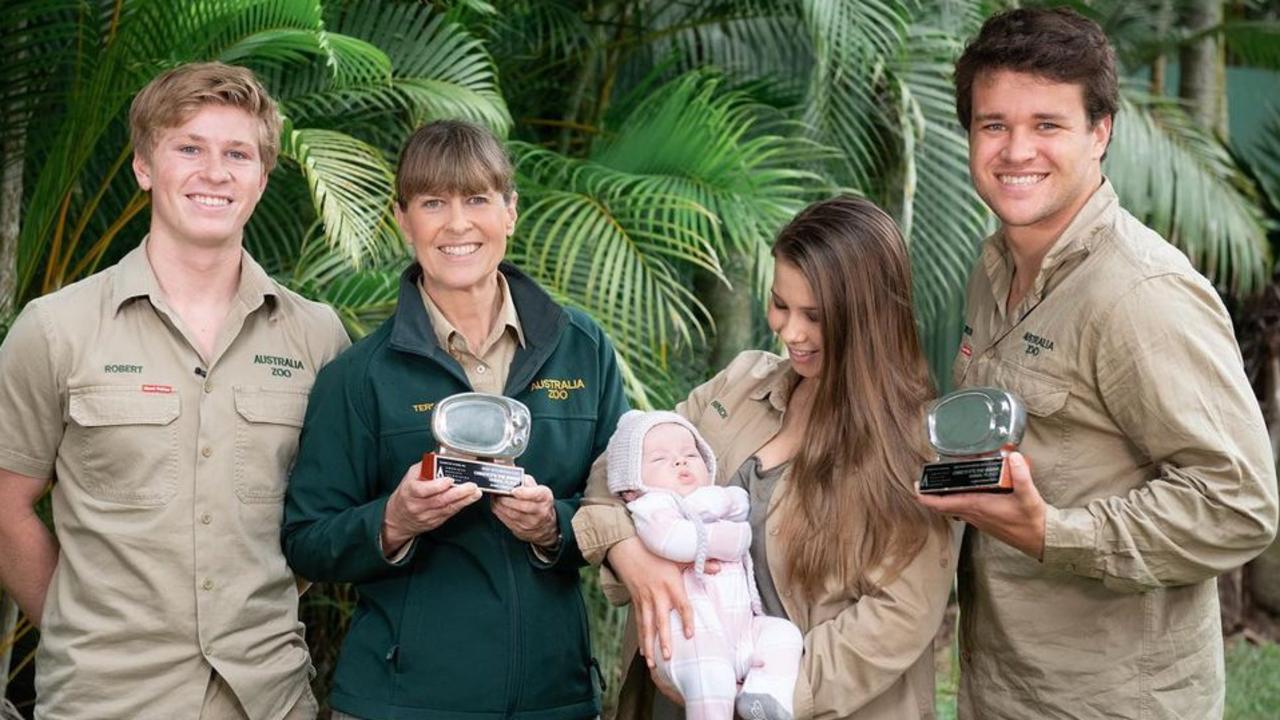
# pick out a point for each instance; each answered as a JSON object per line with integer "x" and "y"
{"x": 164, "y": 396}
{"x": 1089, "y": 591}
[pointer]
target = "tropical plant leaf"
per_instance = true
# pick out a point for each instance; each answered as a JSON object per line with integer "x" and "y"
{"x": 350, "y": 184}
{"x": 1173, "y": 176}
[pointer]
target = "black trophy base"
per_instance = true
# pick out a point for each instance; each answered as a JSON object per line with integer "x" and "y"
{"x": 984, "y": 475}
{"x": 489, "y": 477}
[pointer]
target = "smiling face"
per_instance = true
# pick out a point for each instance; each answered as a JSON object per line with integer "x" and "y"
{"x": 793, "y": 314}
{"x": 205, "y": 177}
{"x": 458, "y": 239}
{"x": 670, "y": 460}
{"x": 1033, "y": 155}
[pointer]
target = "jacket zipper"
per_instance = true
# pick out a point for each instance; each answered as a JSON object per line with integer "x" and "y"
{"x": 513, "y": 675}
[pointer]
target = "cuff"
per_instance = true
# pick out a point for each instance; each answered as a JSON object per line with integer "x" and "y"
{"x": 1070, "y": 539}
{"x": 802, "y": 700}
{"x": 599, "y": 527}
{"x": 546, "y": 558}
{"x": 400, "y": 557}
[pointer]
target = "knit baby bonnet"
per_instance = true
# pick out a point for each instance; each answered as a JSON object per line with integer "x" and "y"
{"x": 628, "y": 441}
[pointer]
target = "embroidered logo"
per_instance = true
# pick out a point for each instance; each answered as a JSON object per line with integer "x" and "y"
{"x": 422, "y": 407}
{"x": 1035, "y": 343}
{"x": 130, "y": 369}
{"x": 157, "y": 389}
{"x": 558, "y": 389}
{"x": 719, "y": 408}
{"x": 280, "y": 366}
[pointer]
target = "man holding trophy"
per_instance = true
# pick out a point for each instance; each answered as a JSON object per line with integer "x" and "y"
{"x": 1088, "y": 589}
{"x": 467, "y": 567}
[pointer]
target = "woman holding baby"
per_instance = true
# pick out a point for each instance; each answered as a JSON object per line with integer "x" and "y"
{"x": 828, "y": 443}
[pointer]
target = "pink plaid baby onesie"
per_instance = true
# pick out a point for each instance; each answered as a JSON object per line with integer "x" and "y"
{"x": 732, "y": 641}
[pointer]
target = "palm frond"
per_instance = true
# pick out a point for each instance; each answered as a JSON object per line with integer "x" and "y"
{"x": 350, "y": 184}
{"x": 1173, "y": 176}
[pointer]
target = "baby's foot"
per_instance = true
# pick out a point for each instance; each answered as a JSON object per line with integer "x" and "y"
{"x": 758, "y": 706}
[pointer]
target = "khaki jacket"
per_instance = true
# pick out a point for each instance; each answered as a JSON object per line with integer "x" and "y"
{"x": 864, "y": 657}
{"x": 1145, "y": 438}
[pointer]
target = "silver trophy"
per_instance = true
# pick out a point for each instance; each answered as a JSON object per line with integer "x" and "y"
{"x": 973, "y": 430}
{"x": 480, "y": 436}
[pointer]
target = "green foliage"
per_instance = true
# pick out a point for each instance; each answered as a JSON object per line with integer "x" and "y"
{"x": 654, "y": 142}
{"x": 1253, "y": 680}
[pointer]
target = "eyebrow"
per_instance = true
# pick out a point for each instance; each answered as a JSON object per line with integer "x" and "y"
{"x": 808, "y": 308}
{"x": 203, "y": 139}
{"x": 1000, "y": 116}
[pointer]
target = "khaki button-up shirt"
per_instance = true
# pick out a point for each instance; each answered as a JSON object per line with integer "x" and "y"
{"x": 169, "y": 477}
{"x": 486, "y": 366}
{"x": 1145, "y": 438}
{"x": 866, "y": 658}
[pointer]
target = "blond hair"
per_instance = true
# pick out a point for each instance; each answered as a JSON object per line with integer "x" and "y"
{"x": 452, "y": 157}
{"x": 175, "y": 95}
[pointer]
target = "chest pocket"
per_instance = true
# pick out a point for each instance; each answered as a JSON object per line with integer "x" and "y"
{"x": 124, "y": 444}
{"x": 1048, "y": 440}
{"x": 267, "y": 426}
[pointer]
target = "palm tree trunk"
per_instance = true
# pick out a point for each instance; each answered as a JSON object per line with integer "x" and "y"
{"x": 11, "y": 166}
{"x": 10, "y": 223}
{"x": 1160, "y": 66}
{"x": 1203, "y": 65}
{"x": 1262, "y": 579}
{"x": 732, "y": 307}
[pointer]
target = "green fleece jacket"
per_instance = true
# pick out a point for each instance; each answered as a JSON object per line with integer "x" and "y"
{"x": 471, "y": 625}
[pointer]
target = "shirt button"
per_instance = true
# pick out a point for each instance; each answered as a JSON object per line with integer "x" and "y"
{"x": 207, "y": 584}
{"x": 208, "y": 387}
{"x": 480, "y": 369}
{"x": 206, "y": 451}
{"x": 206, "y": 518}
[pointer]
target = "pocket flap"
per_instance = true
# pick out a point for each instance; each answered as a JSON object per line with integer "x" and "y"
{"x": 281, "y": 407}
{"x": 104, "y": 406}
{"x": 1041, "y": 394}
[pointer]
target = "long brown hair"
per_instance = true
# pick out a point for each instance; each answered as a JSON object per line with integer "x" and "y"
{"x": 848, "y": 511}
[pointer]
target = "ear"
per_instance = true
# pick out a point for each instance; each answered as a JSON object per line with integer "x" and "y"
{"x": 511, "y": 213}
{"x": 401, "y": 220}
{"x": 1101, "y": 131}
{"x": 142, "y": 172}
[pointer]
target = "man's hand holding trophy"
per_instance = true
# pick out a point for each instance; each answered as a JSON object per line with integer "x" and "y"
{"x": 980, "y": 477}
{"x": 973, "y": 430}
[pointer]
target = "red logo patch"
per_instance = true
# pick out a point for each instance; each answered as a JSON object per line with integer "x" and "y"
{"x": 159, "y": 389}
{"x": 965, "y": 350}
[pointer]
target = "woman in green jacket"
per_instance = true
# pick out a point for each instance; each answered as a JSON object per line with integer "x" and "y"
{"x": 469, "y": 603}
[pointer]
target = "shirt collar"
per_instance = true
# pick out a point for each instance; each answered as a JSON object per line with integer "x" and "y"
{"x": 134, "y": 278}
{"x": 1082, "y": 235}
{"x": 779, "y": 379}
{"x": 444, "y": 330}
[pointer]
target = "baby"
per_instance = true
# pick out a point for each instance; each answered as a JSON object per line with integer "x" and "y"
{"x": 664, "y": 470}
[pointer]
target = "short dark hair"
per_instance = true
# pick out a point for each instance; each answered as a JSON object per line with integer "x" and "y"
{"x": 1057, "y": 43}
{"x": 453, "y": 156}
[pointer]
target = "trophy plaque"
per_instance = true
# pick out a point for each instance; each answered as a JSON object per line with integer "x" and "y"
{"x": 480, "y": 435}
{"x": 973, "y": 430}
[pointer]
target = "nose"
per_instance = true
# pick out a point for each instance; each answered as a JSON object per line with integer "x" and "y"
{"x": 1020, "y": 147}
{"x": 792, "y": 331}
{"x": 215, "y": 168}
{"x": 458, "y": 220}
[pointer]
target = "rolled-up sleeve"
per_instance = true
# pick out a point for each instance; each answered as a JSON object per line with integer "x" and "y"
{"x": 1170, "y": 374}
